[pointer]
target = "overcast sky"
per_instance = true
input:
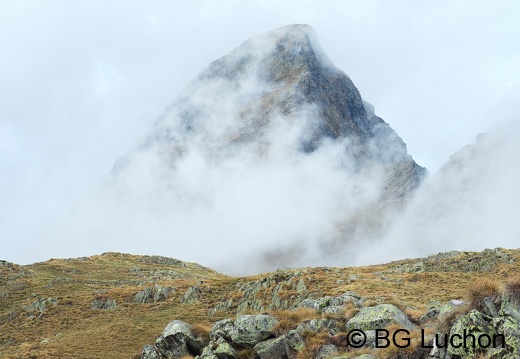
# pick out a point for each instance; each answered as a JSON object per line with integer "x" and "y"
{"x": 80, "y": 81}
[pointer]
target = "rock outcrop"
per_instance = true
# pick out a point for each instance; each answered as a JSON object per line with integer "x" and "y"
{"x": 282, "y": 76}
{"x": 498, "y": 323}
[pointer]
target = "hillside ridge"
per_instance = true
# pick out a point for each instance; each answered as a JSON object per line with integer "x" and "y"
{"x": 108, "y": 305}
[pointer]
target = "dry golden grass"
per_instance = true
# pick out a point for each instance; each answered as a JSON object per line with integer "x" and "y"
{"x": 201, "y": 331}
{"x": 313, "y": 342}
{"x": 73, "y": 329}
{"x": 481, "y": 289}
{"x": 512, "y": 290}
{"x": 289, "y": 319}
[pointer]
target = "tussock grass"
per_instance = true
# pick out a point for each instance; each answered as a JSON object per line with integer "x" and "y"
{"x": 313, "y": 342}
{"x": 481, "y": 289}
{"x": 201, "y": 331}
{"x": 289, "y": 319}
{"x": 512, "y": 290}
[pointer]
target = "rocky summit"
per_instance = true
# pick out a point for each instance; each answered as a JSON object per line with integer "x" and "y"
{"x": 274, "y": 124}
{"x": 281, "y": 79}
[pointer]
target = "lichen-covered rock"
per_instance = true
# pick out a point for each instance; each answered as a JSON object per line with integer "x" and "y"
{"x": 334, "y": 309}
{"x": 491, "y": 329}
{"x": 152, "y": 295}
{"x": 345, "y": 298}
{"x": 207, "y": 353}
{"x": 331, "y": 326}
{"x": 285, "y": 346}
{"x": 221, "y": 329}
{"x": 475, "y": 324}
{"x": 309, "y": 303}
{"x": 104, "y": 303}
{"x": 379, "y": 317}
{"x": 219, "y": 349}
{"x": 509, "y": 326}
{"x": 41, "y": 305}
{"x": 177, "y": 341}
{"x": 438, "y": 310}
{"x": 192, "y": 294}
{"x": 150, "y": 352}
{"x": 224, "y": 350}
{"x": 252, "y": 329}
{"x": 326, "y": 351}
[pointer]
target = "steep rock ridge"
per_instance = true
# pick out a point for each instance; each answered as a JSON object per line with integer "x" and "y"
{"x": 281, "y": 77}
{"x": 275, "y": 144}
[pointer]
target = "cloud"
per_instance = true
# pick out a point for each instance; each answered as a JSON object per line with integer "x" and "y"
{"x": 82, "y": 81}
{"x": 470, "y": 204}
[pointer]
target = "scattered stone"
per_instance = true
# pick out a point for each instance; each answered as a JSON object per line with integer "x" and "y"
{"x": 41, "y": 305}
{"x": 191, "y": 295}
{"x": 104, "y": 302}
{"x": 153, "y": 294}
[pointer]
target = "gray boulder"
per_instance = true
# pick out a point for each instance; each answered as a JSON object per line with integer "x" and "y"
{"x": 252, "y": 329}
{"x": 284, "y": 347}
{"x": 104, "y": 303}
{"x": 221, "y": 329}
{"x": 439, "y": 311}
{"x": 326, "y": 351}
{"x": 347, "y": 297}
{"x": 152, "y": 295}
{"x": 192, "y": 294}
{"x": 177, "y": 341}
{"x": 309, "y": 303}
{"x": 379, "y": 317}
{"x": 317, "y": 325}
{"x": 219, "y": 349}
{"x": 150, "y": 352}
{"x": 224, "y": 350}
{"x": 41, "y": 305}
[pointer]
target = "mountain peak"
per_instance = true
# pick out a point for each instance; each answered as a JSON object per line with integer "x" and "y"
{"x": 267, "y": 142}
{"x": 281, "y": 77}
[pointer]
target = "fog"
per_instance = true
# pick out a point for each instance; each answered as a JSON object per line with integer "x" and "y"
{"x": 86, "y": 83}
{"x": 471, "y": 204}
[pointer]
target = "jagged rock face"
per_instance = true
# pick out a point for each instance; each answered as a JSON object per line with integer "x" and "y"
{"x": 271, "y": 143}
{"x": 281, "y": 78}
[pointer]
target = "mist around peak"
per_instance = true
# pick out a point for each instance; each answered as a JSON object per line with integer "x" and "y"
{"x": 270, "y": 157}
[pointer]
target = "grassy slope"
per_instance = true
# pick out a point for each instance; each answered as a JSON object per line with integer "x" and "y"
{"x": 73, "y": 330}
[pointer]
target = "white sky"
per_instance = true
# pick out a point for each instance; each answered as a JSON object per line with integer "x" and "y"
{"x": 81, "y": 80}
